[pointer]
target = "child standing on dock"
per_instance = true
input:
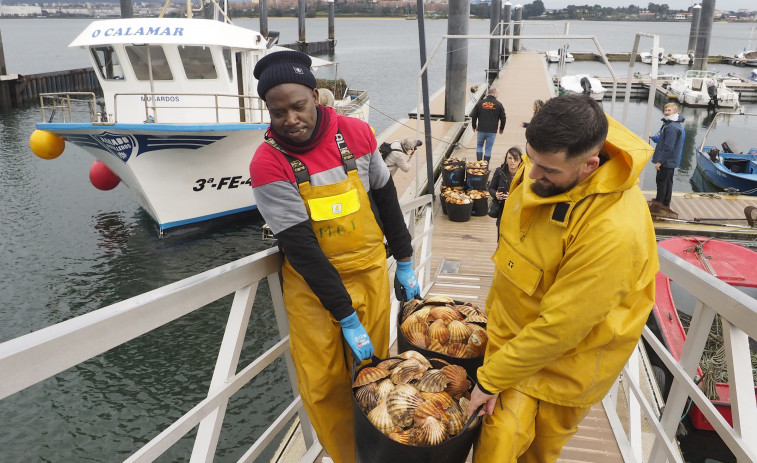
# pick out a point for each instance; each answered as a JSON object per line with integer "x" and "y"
{"x": 667, "y": 153}
{"x": 486, "y": 115}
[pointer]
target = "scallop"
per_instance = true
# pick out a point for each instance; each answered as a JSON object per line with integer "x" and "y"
{"x": 444, "y": 312}
{"x": 458, "y": 332}
{"x": 411, "y": 306}
{"x": 370, "y": 375}
{"x": 406, "y": 437}
{"x": 432, "y": 432}
{"x": 367, "y": 397}
{"x": 415, "y": 332}
{"x": 434, "y": 345}
{"x": 432, "y": 381}
{"x": 457, "y": 349}
{"x": 477, "y": 344}
{"x": 438, "y": 330}
{"x": 476, "y": 318}
{"x": 456, "y": 419}
{"x": 439, "y": 300}
{"x": 384, "y": 388}
{"x": 412, "y": 354}
{"x": 467, "y": 310}
{"x": 390, "y": 363}
{"x": 458, "y": 380}
{"x": 402, "y": 403}
{"x": 380, "y": 418}
{"x": 407, "y": 371}
{"x": 443, "y": 398}
{"x": 419, "y": 316}
{"x": 426, "y": 409}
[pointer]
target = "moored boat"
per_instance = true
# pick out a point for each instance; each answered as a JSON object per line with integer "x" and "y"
{"x": 647, "y": 56}
{"x": 692, "y": 89}
{"x": 726, "y": 166}
{"x": 730, "y": 263}
{"x": 179, "y": 118}
{"x": 745, "y": 58}
{"x": 553, "y": 56}
{"x": 582, "y": 84}
{"x": 680, "y": 58}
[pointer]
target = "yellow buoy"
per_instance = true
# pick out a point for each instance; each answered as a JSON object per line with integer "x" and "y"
{"x": 46, "y": 144}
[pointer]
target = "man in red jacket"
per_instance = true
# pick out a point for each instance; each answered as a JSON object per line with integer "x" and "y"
{"x": 311, "y": 179}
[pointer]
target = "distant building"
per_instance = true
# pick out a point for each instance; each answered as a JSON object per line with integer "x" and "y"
{"x": 20, "y": 10}
{"x": 682, "y": 16}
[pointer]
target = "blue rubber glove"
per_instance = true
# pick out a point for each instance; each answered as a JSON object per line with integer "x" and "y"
{"x": 357, "y": 337}
{"x": 406, "y": 277}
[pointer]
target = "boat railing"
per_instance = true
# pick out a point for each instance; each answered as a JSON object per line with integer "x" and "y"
{"x": 34, "y": 357}
{"x": 65, "y": 105}
{"x": 204, "y": 108}
{"x": 738, "y": 314}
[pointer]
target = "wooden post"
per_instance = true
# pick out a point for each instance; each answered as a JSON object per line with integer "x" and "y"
{"x": 127, "y": 9}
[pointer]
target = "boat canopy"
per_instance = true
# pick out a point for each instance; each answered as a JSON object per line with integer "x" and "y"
{"x": 179, "y": 31}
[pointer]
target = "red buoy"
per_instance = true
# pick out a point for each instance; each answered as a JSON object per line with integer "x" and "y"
{"x": 102, "y": 177}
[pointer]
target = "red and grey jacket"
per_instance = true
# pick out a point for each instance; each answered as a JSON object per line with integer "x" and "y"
{"x": 279, "y": 201}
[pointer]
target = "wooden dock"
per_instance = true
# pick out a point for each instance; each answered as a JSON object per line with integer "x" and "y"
{"x": 17, "y": 90}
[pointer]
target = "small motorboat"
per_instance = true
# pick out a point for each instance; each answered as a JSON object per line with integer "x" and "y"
{"x": 745, "y": 58}
{"x": 582, "y": 84}
{"x": 693, "y": 89}
{"x": 553, "y": 56}
{"x": 729, "y": 262}
{"x": 647, "y": 56}
{"x": 753, "y": 75}
{"x": 727, "y": 166}
{"x": 680, "y": 58}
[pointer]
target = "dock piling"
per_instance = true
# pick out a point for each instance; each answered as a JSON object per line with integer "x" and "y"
{"x": 332, "y": 40}
{"x": 696, "y": 13}
{"x": 507, "y": 14}
{"x": 301, "y": 23}
{"x": 494, "y": 44}
{"x": 264, "y": 18}
{"x": 703, "y": 36}
{"x": 457, "y": 61}
{"x": 518, "y": 20}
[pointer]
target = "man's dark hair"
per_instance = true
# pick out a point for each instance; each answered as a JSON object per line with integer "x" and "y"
{"x": 574, "y": 123}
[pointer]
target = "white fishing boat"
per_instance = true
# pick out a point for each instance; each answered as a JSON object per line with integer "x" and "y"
{"x": 582, "y": 84}
{"x": 179, "y": 118}
{"x": 553, "y": 56}
{"x": 647, "y": 56}
{"x": 691, "y": 89}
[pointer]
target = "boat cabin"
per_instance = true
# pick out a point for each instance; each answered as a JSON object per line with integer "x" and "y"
{"x": 175, "y": 70}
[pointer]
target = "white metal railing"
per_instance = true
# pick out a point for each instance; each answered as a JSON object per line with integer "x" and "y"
{"x": 34, "y": 357}
{"x": 66, "y": 104}
{"x": 738, "y": 313}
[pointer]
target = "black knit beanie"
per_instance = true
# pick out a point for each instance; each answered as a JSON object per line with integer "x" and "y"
{"x": 283, "y": 67}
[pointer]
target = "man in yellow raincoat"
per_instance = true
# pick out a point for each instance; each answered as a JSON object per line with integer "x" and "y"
{"x": 317, "y": 181}
{"x": 573, "y": 285}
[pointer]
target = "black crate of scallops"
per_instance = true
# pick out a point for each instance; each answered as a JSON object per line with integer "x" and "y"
{"x": 410, "y": 408}
{"x": 461, "y": 200}
{"x": 442, "y": 327}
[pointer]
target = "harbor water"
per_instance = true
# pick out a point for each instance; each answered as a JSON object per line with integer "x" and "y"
{"x": 67, "y": 249}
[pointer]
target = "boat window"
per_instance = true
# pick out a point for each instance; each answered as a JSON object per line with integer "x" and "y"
{"x": 228, "y": 62}
{"x": 197, "y": 62}
{"x": 158, "y": 64}
{"x": 107, "y": 64}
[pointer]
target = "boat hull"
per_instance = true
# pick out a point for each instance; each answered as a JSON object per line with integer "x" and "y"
{"x": 180, "y": 174}
{"x": 732, "y": 264}
{"x": 721, "y": 176}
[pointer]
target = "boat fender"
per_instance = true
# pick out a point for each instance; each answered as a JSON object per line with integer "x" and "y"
{"x": 46, "y": 145}
{"x": 102, "y": 177}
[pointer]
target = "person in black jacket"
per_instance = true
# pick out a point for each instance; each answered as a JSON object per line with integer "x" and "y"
{"x": 500, "y": 183}
{"x": 485, "y": 116}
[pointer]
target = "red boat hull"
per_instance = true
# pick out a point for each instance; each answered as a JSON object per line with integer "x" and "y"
{"x": 729, "y": 262}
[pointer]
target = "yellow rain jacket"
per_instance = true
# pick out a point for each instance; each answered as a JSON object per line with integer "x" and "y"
{"x": 574, "y": 281}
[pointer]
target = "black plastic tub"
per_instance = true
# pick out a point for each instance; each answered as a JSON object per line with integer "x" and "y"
{"x": 459, "y": 212}
{"x": 480, "y": 207}
{"x": 373, "y": 446}
{"x": 477, "y": 181}
{"x": 455, "y": 176}
{"x": 470, "y": 364}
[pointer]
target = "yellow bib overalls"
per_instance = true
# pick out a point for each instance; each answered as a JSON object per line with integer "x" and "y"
{"x": 351, "y": 239}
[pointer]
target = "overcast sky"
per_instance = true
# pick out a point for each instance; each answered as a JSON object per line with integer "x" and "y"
{"x": 673, "y": 4}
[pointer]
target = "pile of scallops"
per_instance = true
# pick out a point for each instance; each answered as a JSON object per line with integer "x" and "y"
{"x": 412, "y": 401}
{"x": 441, "y": 325}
